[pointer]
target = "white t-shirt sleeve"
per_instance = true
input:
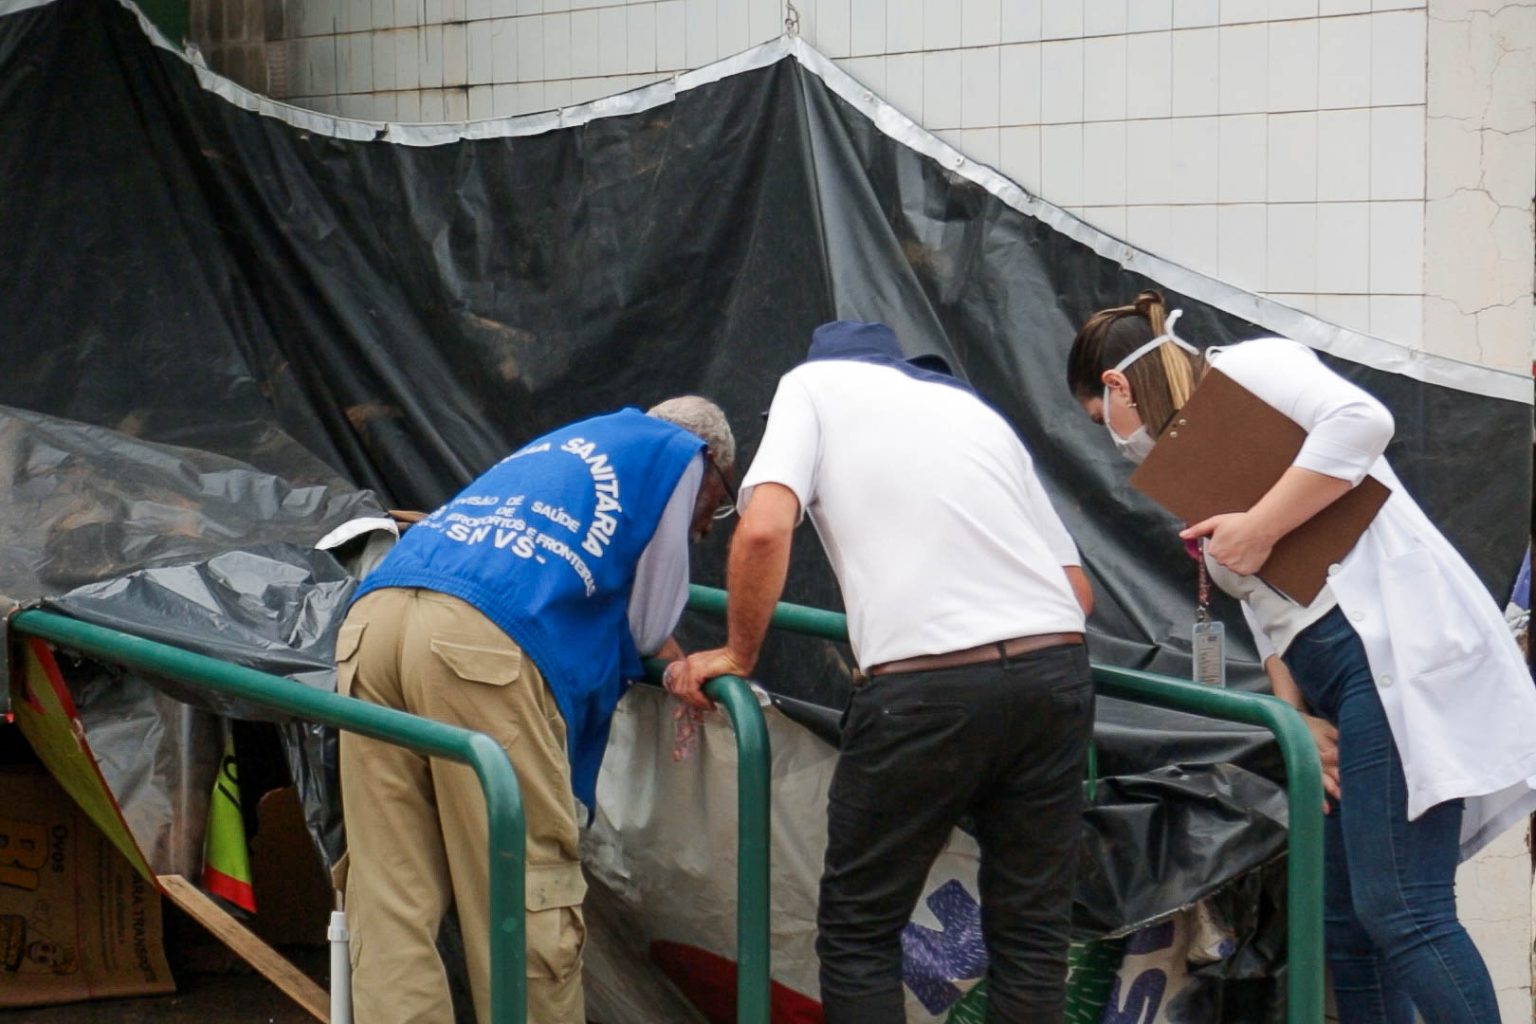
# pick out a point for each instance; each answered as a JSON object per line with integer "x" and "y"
{"x": 1042, "y": 515}
{"x": 790, "y": 449}
{"x": 661, "y": 576}
{"x": 1347, "y": 428}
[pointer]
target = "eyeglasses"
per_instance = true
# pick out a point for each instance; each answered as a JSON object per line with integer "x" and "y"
{"x": 729, "y": 508}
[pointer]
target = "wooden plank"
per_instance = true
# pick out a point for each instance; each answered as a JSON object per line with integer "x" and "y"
{"x": 271, "y": 964}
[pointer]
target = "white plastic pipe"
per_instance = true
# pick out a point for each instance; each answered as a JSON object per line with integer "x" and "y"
{"x": 341, "y": 969}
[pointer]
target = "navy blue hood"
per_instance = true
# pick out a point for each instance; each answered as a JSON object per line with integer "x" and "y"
{"x": 876, "y": 343}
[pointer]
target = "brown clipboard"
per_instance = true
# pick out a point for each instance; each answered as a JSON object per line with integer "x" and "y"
{"x": 1223, "y": 452}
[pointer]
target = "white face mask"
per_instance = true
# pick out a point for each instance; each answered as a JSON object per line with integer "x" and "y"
{"x": 1138, "y": 446}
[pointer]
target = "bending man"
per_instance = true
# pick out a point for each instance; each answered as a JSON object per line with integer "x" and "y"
{"x": 965, "y": 613}
{"x": 518, "y": 609}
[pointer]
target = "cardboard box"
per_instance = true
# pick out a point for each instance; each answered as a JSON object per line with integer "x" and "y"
{"x": 76, "y": 920}
{"x": 293, "y": 893}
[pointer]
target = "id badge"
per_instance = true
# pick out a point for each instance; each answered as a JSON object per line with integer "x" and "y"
{"x": 1209, "y": 640}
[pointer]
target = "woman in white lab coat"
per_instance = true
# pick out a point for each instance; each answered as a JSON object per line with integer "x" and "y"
{"x": 1403, "y": 654}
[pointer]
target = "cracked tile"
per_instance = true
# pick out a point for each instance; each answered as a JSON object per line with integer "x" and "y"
{"x": 1480, "y": 140}
{"x": 1493, "y": 895}
{"x": 1454, "y": 161}
{"x": 1504, "y": 338}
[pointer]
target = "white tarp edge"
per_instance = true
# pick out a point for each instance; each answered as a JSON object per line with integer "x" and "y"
{"x": 1273, "y": 316}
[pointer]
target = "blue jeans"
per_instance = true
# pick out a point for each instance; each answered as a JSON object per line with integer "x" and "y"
{"x": 1393, "y": 940}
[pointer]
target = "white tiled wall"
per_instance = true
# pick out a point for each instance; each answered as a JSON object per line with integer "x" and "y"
{"x": 434, "y": 60}
{"x": 1277, "y": 144}
{"x": 1481, "y": 147}
{"x": 1292, "y": 147}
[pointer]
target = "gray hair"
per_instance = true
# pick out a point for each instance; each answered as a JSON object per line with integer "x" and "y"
{"x": 704, "y": 418}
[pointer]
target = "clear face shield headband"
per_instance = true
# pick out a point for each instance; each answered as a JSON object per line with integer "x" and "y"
{"x": 1139, "y": 444}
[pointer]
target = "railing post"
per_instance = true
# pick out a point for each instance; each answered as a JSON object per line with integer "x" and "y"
{"x": 504, "y": 821}
{"x": 1304, "y": 799}
{"x": 753, "y": 766}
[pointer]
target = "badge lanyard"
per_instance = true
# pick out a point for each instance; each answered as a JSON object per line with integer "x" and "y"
{"x": 1208, "y": 638}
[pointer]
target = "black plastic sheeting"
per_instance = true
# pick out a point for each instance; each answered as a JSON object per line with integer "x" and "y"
{"x": 1182, "y": 806}
{"x": 186, "y": 271}
{"x": 191, "y": 549}
{"x": 83, "y": 504}
{"x": 158, "y": 756}
{"x": 275, "y": 608}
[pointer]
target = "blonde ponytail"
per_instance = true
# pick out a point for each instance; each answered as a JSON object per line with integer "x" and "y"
{"x": 1180, "y": 372}
{"x": 1150, "y": 305}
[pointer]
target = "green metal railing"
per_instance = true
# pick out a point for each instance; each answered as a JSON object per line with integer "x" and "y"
{"x": 503, "y": 803}
{"x": 1304, "y": 781}
{"x": 753, "y": 769}
{"x": 497, "y": 779}
{"x": 504, "y": 806}
{"x": 1304, "y": 797}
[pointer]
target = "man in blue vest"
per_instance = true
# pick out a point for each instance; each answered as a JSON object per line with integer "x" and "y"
{"x": 518, "y": 609}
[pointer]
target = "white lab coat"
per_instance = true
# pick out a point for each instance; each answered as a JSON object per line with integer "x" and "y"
{"x": 1456, "y": 690}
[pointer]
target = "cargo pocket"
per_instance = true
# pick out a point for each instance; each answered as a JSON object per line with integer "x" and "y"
{"x": 470, "y": 685}
{"x": 476, "y": 663}
{"x": 557, "y": 933}
{"x": 348, "y": 640}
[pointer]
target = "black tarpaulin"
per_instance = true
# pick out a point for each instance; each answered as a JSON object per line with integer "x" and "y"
{"x": 84, "y": 504}
{"x": 192, "y": 265}
{"x": 193, "y": 549}
{"x": 272, "y": 607}
{"x": 199, "y": 273}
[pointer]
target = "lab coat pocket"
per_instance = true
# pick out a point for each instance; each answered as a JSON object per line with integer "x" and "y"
{"x": 1432, "y": 630}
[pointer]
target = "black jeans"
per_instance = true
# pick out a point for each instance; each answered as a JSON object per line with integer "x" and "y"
{"x": 1003, "y": 742}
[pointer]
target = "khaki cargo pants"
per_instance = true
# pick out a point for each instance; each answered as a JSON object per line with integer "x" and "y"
{"x": 416, "y": 827}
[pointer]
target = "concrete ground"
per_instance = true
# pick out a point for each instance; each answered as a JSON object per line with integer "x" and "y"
{"x": 213, "y": 986}
{"x": 202, "y": 999}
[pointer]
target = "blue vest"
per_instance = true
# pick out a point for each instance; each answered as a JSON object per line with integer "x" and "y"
{"x": 545, "y": 545}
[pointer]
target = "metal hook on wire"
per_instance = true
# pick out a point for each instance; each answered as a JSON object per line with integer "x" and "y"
{"x": 791, "y": 18}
